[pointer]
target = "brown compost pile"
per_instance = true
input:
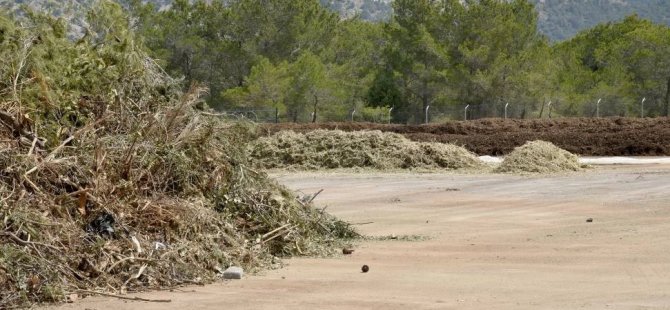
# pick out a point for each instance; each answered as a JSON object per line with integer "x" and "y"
{"x": 329, "y": 149}
{"x": 539, "y": 157}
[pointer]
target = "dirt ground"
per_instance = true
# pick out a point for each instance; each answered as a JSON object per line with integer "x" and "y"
{"x": 584, "y": 136}
{"x": 495, "y": 242}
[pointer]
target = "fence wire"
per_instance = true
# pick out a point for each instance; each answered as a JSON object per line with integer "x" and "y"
{"x": 436, "y": 114}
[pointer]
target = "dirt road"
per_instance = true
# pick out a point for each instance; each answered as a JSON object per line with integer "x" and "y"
{"x": 496, "y": 242}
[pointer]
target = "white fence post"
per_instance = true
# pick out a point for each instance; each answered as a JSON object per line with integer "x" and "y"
{"x": 427, "y": 107}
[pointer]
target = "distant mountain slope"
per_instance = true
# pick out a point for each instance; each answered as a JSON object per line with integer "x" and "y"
{"x": 373, "y": 10}
{"x": 56, "y": 7}
{"x": 562, "y": 19}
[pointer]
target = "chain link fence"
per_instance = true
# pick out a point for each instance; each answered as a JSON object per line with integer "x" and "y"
{"x": 436, "y": 114}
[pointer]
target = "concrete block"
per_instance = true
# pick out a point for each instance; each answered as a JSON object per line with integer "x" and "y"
{"x": 233, "y": 273}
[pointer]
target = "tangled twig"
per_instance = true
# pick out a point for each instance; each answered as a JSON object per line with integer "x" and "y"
{"x": 24, "y": 242}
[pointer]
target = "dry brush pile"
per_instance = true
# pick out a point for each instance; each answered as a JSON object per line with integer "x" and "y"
{"x": 360, "y": 149}
{"x": 539, "y": 157}
{"x": 120, "y": 183}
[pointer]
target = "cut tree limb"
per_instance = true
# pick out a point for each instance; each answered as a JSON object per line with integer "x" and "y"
{"x": 24, "y": 242}
{"x": 314, "y": 196}
{"x": 124, "y": 297}
{"x": 16, "y": 128}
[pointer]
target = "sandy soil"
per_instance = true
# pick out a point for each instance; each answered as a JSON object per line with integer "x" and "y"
{"x": 496, "y": 242}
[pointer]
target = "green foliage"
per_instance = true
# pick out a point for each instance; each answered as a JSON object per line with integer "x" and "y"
{"x": 352, "y": 57}
{"x": 219, "y": 43}
{"x": 43, "y": 70}
{"x": 621, "y": 63}
{"x": 480, "y": 53}
{"x": 497, "y": 48}
{"x": 264, "y": 87}
{"x": 301, "y": 59}
{"x": 295, "y": 56}
{"x": 416, "y": 55}
{"x": 558, "y": 19}
{"x": 385, "y": 92}
{"x": 308, "y": 86}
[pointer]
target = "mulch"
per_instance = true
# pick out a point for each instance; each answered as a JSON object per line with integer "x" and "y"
{"x": 583, "y": 136}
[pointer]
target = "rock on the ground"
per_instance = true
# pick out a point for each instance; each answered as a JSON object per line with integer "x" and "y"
{"x": 233, "y": 273}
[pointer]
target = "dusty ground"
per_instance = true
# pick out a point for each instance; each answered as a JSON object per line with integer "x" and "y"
{"x": 496, "y": 242}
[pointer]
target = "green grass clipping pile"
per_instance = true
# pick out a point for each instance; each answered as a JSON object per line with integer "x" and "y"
{"x": 539, "y": 157}
{"x": 331, "y": 149}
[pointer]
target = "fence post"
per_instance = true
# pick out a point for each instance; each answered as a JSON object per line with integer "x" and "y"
{"x": 642, "y": 107}
{"x": 276, "y": 115}
{"x": 466, "y": 112}
{"x": 506, "y": 105}
{"x": 427, "y": 107}
{"x": 598, "y": 107}
{"x": 390, "y": 110}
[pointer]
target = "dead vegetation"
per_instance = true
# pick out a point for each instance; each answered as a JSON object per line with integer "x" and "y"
{"x": 332, "y": 149}
{"x": 123, "y": 184}
{"x": 168, "y": 200}
{"x": 539, "y": 157}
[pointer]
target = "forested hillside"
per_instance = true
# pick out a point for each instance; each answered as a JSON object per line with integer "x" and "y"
{"x": 562, "y": 19}
{"x": 558, "y": 19}
{"x": 305, "y": 62}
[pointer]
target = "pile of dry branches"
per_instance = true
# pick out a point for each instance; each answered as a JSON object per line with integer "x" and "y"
{"x": 142, "y": 194}
{"x": 113, "y": 180}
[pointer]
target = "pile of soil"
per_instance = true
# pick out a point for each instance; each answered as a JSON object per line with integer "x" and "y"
{"x": 495, "y": 137}
{"x": 539, "y": 157}
{"x": 331, "y": 149}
